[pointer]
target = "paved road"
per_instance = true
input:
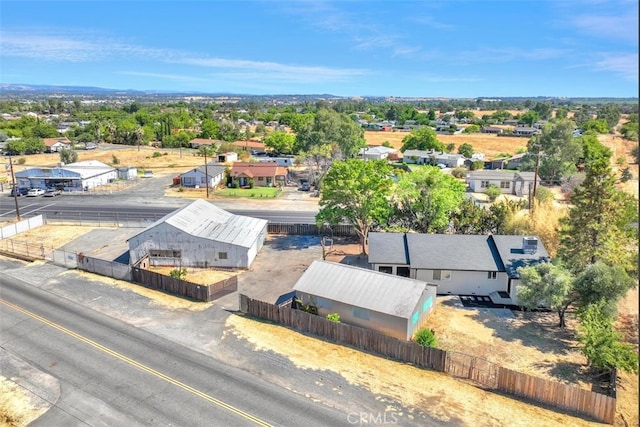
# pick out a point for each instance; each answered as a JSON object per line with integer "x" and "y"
{"x": 93, "y": 208}
{"x": 114, "y": 374}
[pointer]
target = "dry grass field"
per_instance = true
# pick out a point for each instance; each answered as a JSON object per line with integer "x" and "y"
{"x": 166, "y": 161}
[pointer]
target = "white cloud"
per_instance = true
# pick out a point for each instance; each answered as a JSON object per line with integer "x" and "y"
{"x": 618, "y": 27}
{"x": 508, "y": 54}
{"x": 173, "y": 77}
{"x": 430, "y": 21}
{"x": 52, "y": 46}
{"x": 49, "y": 46}
{"x": 625, "y": 65}
{"x": 274, "y": 70}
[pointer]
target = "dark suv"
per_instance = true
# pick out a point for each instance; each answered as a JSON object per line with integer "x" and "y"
{"x": 19, "y": 192}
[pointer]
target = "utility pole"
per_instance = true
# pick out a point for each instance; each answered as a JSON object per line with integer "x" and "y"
{"x": 14, "y": 188}
{"x": 206, "y": 170}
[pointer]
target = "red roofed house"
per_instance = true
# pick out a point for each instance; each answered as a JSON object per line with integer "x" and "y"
{"x": 262, "y": 174}
{"x": 56, "y": 144}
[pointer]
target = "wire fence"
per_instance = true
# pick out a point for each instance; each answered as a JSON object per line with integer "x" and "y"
{"x": 30, "y": 251}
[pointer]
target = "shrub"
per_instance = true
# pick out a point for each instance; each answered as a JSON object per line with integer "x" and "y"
{"x": 493, "y": 192}
{"x": 477, "y": 165}
{"x": 22, "y": 161}
{"x": 157, "y": 154}
{"x": 544, "y": 195}
{"x": 178, "y": 273}
{"x": 114, "y": 159}
{"x": 426, "y": 338}
{"x": 334, "y": 317}
{"x": 459, "y": 172}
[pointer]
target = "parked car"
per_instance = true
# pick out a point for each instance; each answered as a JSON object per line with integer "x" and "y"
{"x": 304, "y": 186}
{"x": 35, "y": 192}
{"x": 52, "y": 192}
{"x": 19, "y": 192}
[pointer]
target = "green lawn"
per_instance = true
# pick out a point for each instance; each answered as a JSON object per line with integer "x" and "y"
{"x": 256, "y": 193}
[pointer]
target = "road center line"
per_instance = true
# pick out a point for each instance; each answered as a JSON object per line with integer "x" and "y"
{"x": 138, "y": 365}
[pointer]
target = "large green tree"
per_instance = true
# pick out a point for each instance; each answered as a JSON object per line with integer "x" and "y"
{"x": 559, "y": 151}
{"x": 357, "y": 192}
{"x": 611, "y": 114}
{"x": 424, "y": 200}
{"x": 281, "y": 142}
{"x": 422, "y": 139}
{"x": 593, "y": 229}
{"x": 546, "y": 285}
{"x": 602, "y": 345}
{"x": 329, "y": 127}
{"x": 601, "y": 282}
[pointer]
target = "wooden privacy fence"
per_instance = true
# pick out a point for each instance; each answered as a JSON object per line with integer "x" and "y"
{"x": 487, "y": 374}
{"x": 343, "y": 230}
{"x": 596, "y": 405}
{"x": 342, "y": 333}
{"x": 153, "y": 280}
{"x": 478, "y": 370}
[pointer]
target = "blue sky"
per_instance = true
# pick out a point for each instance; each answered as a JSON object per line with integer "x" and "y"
{"x": 447, "y": 48}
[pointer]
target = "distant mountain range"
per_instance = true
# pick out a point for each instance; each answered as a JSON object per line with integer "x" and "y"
{"x": 29, "y": 90}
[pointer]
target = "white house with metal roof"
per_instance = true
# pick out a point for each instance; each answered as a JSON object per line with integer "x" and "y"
{"x": 378, "y": 152}
{"x": 199, "y": 235}
{"x": 459, "y": 264}
{"x": 422, "y": 157}
{"x": 392, "y": 305}
{"x": 76, "y": 176}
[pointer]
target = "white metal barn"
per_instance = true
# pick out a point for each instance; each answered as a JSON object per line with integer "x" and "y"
{"x": 200, "y": 235}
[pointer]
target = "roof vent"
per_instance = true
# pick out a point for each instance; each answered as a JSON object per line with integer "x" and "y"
{"x": 529, "y": 245}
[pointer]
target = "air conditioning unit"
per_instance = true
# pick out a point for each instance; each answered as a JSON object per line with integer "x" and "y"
{"x": 529, "y": 245}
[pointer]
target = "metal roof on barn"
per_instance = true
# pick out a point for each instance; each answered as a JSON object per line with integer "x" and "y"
{"x": 360, "y": 287}
{"x": 205, "y": 220}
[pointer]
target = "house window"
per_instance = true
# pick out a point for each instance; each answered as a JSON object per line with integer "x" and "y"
{"x": 164, "y": 253}
{"x": 415, "y": 318}
{"x": 403, "y": 271}
{"x": 361, "y": 313}
{"x": 222, "y": 255}
{"x": 188, "y": 180}
{"x": 324, "y": 303}
{"x": 505, "y": 184}
{"x": 484, "y": 184}
{"x": 385, "y": 269}
{"x": 261, "y": 178}
{"x": 441, "y": 274}
{"x": 492, "y": 275}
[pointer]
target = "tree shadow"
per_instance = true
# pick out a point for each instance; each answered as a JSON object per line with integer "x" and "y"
{"x": 538, "y": 330}
{"x": 284, "y": 243}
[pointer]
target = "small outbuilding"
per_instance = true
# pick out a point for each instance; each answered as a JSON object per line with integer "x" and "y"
{"x": 199, "y": 235}
{"x": 392, "y": 305}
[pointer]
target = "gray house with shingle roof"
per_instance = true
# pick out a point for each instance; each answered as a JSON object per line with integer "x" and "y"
{"x": 198, "y": 177}
{"x": 392, "y": 305}
{"x": 515, "y": 183}
{"x": 458, "y": 264}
